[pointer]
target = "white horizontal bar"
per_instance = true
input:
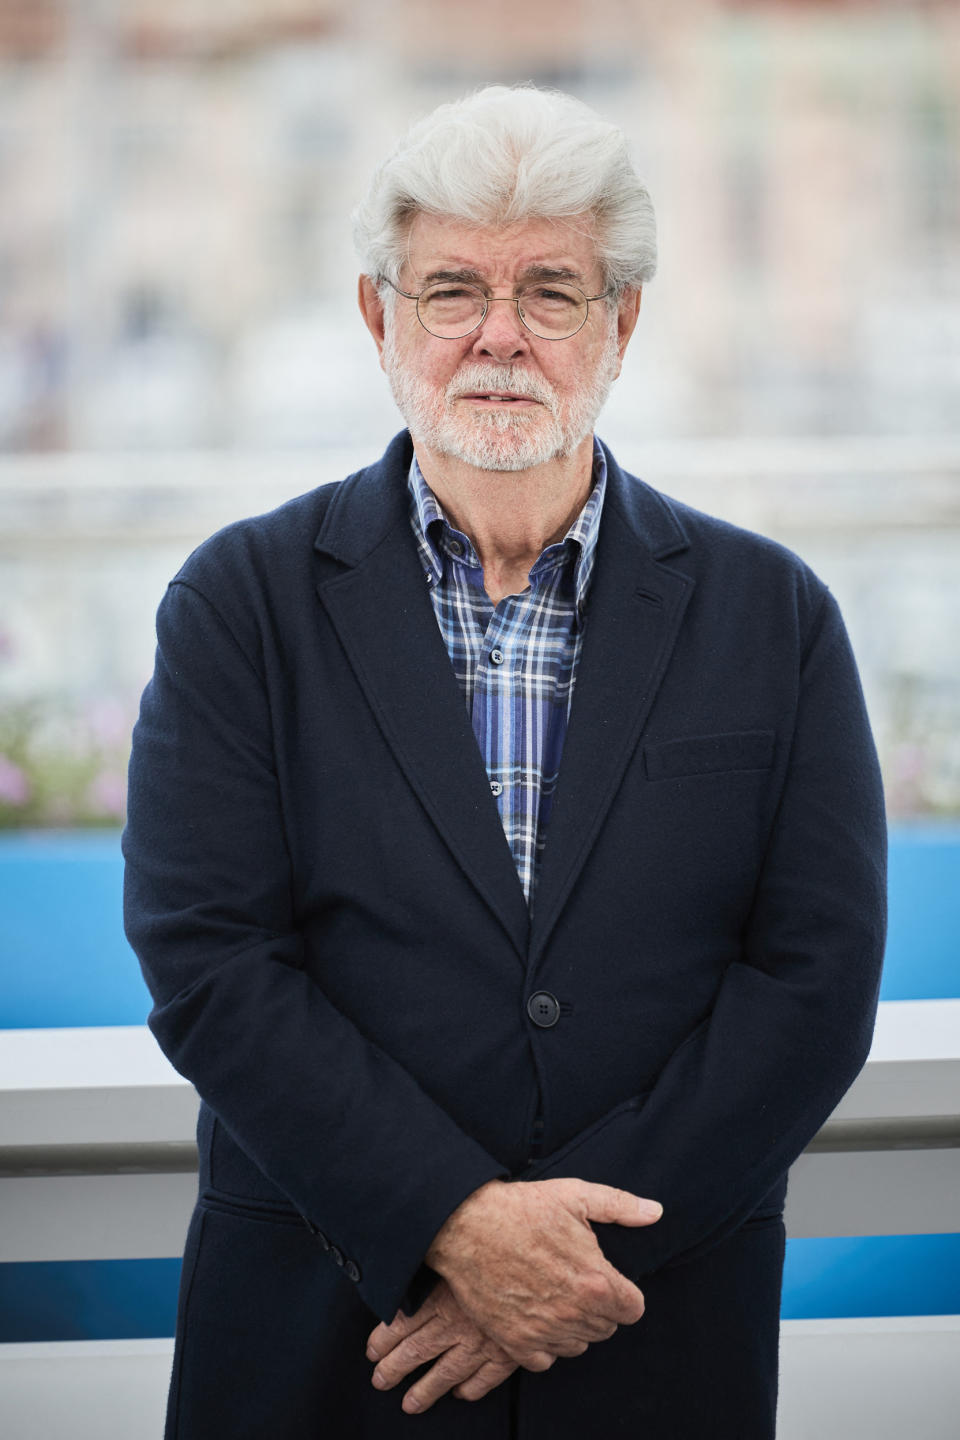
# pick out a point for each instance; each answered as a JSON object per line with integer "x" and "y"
{"x": 870, "y": 1379}
{"x": 856, "y": 1379}
{"x": 112, "y": 1087}
{"x": 112, "y": 1083}
{"x": 91, "y": 1057}
{"x": 91, "y": 1085}
{"x": 95, "y": 1217}
{"x": 875, "y": 1192}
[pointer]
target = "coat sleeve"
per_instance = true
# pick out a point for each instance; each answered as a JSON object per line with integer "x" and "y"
{"x": 343, "y": 1130}
{"x": 792, "y": 1021}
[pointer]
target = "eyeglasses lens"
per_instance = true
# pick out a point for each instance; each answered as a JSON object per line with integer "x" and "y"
{"x": 553, "y": 312}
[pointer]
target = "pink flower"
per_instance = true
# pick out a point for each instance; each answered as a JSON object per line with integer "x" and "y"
{"x": 108, "y": 793}
{"x": 14, "y": 785}
{"x": 108, "y": 721}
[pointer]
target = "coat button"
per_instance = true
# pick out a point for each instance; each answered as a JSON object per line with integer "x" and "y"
{"x": 317, "y": 1234}
{"x": 352, "y": 1270}
{"x": 336, "y": 1254}
{"x": 543, "y": 1009}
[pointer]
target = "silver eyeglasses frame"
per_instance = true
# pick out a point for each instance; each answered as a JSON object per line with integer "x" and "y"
{"x": 488, "y": 300}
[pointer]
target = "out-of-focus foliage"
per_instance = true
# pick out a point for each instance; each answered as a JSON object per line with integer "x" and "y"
{"x": 63, "y": 765}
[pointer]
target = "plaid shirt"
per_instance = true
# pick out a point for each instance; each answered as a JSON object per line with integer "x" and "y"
{"x": 515, "y": 663}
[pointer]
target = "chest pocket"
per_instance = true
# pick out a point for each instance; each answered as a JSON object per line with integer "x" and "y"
{"x": 709, "y": 754}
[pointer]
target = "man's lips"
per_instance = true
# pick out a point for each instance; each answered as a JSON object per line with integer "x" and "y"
{"x": 499, "y": 397}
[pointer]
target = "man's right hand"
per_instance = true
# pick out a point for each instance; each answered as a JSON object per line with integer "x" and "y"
{"x": 523, "y": 1262}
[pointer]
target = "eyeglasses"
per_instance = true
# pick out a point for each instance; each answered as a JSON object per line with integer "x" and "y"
{"x": 551, "y": 311}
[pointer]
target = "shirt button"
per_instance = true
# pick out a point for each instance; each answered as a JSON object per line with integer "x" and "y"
{"x": 455, "y": 547}
{"x": 543, "y": 1009}
{"x": 495, "y": 787}
{"x": 496, "y": 657}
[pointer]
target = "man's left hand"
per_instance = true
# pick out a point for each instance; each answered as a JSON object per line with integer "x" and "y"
{"x": 470, "y": 1363}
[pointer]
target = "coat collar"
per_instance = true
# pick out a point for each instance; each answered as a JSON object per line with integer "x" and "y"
{"x": 372, "y": 586}
{"x": 371, "y": 502}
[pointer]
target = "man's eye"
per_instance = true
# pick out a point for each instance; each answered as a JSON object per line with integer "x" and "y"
{"x": 545, "y": 295}
{"x": 449, "y": 292}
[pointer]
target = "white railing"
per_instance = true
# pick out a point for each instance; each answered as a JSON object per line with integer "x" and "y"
{"x": 98, "y": 1161}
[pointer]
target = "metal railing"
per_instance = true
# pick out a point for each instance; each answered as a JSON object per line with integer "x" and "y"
{"x": 91, "y": 1118}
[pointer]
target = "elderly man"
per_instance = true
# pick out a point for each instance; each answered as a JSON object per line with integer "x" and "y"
{"x": 506, "y": 860}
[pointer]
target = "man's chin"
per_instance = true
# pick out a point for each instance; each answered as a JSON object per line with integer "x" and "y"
{"x": 510, "y": 449}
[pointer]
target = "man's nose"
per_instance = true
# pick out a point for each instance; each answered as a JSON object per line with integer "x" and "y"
{"x": 502, "y": 334}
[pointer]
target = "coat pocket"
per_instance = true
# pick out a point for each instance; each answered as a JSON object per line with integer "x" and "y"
{"x": 559, "y": 1159}
{"x": 709, "y": 754}
{"x": 248, "y": 1207}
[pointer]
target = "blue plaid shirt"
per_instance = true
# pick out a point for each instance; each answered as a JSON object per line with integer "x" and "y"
{"x": 516, "y": 662}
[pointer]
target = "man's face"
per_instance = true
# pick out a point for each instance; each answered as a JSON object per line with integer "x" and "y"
{"x": 501, "y": 398}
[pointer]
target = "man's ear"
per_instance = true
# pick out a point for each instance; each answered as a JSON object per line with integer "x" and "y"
{"x": 371, "y": 308}
{"x": 628, "y": 313}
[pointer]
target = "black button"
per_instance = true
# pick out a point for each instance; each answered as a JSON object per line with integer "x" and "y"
{"x": 543, "y": 1009}
{"x": 455, "y": 546}
{"x": 352, "y": 1270}
{"x": 337, "y": 1255}
{"x": 317, "y": 1234}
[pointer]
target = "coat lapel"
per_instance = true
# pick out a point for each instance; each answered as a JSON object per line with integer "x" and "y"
{"x": 371, "y": 586}
{"x": 635, "y": 609}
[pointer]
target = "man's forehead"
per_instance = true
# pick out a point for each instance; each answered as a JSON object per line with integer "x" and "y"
{"x": 439, "y": 246}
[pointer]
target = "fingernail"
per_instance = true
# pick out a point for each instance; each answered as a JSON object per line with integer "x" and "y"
{"x": 379, "y": 1380}
{"x": 411, "y": 1404}
{"x": 653, "y": 1208}
{"x": 373, "y": 1353}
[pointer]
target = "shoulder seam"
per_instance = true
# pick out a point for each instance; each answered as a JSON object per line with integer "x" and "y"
{"x": 192, "y": 586}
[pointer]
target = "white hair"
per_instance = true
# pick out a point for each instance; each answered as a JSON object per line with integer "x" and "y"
{"x": 509, "y": 153}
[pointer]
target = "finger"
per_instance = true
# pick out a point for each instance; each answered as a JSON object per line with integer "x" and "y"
{"x": 386, "y": 1337}
{"x": 418, "y": 1349}
{"x": 487, "y": 1378}
{"x": 588, "y": 1324}
{"x": 382, "y": 1340}
{"x": 627, "y": 1299}
{"x": 569, "y": 1348}
{"x": 452, "y": 1369}
{"x": 617, "y": 1207}
{"x": 536, "y": 1360}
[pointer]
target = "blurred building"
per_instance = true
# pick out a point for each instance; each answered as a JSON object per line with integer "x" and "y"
{"x": 176, "y": 180}
{"x": 177, "y": 282}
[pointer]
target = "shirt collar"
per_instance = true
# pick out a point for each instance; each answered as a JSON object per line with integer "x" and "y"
{"x": 438, "y": 540}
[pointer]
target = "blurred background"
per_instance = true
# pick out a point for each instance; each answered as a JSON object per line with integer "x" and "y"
{"x": 179, "y": 346}
{"x": 179, "y": 342}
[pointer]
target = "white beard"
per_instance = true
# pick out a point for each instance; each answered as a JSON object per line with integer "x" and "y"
{"x": 505, "y": 438}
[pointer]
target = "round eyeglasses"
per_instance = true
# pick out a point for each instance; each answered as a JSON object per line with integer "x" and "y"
{"x": 551, "y": 310}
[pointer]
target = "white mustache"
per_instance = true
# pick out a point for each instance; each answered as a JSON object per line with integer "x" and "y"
{"x": 500, "y": 380}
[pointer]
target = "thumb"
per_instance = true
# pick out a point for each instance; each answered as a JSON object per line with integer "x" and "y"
{"x": 618, "y": 1207}
{"x": 628, "y": 1298}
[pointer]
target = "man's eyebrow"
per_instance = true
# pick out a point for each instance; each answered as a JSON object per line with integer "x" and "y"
{"x": 465, "y": 274}
{"x": 551, "y": 272}
{"x": 468, "y": 275}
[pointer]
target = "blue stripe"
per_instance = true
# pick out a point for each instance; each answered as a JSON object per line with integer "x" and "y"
{"x": 823, "y": 1279}
{"x": 923, "y": 946}
{"x": 88, "y": 1299}
{"x": 831, "y": 1277}
{"x": 64, "y": 959}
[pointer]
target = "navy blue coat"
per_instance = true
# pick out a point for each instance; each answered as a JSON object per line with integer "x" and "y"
{"x": 331, "y": 924}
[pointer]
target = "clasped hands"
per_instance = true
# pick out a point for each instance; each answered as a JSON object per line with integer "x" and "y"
{"x": 523, "y": 1281}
